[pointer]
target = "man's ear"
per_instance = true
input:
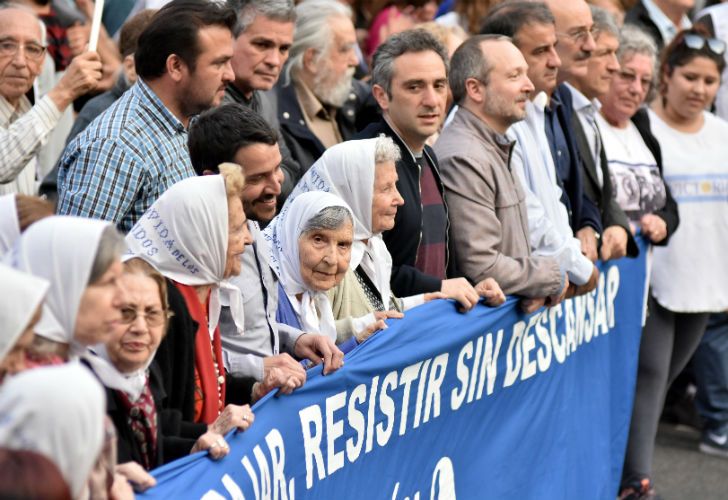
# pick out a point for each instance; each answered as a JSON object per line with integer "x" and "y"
{"x": 176, "y": 67}
{"x": 474, "y": 91}
{"x": 310, "y": 60}
{"x": 380, "y": 95}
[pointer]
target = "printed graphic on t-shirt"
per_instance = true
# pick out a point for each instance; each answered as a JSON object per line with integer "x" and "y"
{"x": 638, "y": 188}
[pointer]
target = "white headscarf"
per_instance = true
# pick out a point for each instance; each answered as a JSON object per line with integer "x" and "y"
{"x": 282, "y": 233}
{"x": 9, "y": 227}
{"x": 348, "y": 170}
{"x": 62, "y": 250}
{"x": 21, "y": 295}
{"x": 184, "y": 236}
{"x": 57, "y": 411}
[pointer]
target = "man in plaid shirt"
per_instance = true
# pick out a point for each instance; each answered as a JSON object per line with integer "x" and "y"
{"x": 136, "y": 149}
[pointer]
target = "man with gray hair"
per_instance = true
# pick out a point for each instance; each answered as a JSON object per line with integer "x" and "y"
{"x": 586, "y": 89}
{"x": 319, "y": 101}
{"x": 409, "y": 82}
{"x": 486, "y": 200}
{"x": 263, "y": 38}
{"x": 25, "y": 127}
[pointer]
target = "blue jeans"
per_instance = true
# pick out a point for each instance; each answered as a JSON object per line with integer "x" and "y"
{"x": 710, "y": 366}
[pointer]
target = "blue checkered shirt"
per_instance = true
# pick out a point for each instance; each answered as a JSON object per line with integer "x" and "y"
{"x": 124, "y": 160}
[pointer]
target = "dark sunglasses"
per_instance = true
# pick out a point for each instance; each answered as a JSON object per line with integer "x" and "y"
{"x": 697, "y": 42}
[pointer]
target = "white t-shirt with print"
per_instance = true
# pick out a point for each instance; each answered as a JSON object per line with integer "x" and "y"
{"x": 690, "y": 274}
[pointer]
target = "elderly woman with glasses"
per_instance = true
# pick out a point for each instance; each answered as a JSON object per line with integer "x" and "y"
{"x": 688, "y": 279}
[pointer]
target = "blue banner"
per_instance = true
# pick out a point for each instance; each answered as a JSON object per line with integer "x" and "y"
{"x": 488, "y": 404}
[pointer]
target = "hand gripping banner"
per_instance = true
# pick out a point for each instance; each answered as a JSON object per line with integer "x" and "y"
{"x": 442, "y": 405}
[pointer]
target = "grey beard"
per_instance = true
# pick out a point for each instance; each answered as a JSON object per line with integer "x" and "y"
{"x": 336, "y": 95}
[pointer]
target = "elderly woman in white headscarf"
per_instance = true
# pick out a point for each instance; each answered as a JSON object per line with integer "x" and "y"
{"x": 364, "y": 175}
{"x": 80, "y": 258}
{"x": 17, "y": 212}
{"x": 194, "y": 235}
{"x": 39, "y": 413}
{"x": 20, "y": 311}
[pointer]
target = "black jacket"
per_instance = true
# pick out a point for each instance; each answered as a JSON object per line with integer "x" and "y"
{"x": 358, "y": 111}
{"x": 176, "y": 360}
{"x": 639, "y": 17}
{"x": 603, "y": 197}
{"x": 669, "y": 213}
{"x": 403, "y": 240}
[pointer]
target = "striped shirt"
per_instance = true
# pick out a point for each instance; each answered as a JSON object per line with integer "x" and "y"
{"x": 124, "y": 160}
{"x": 23, "y": 130}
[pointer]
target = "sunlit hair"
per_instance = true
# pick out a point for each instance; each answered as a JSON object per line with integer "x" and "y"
{"x": 234, "y": 179}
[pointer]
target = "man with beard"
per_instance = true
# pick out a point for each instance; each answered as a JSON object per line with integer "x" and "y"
{"x": 487, "y": 203}
{"x": 25, "y": 127}
{"x": 235, "y": 133}
{"x": 531, "y": 27}
{"x": 319, "y": 102}
{"x": 617, "y": 240}
{"x": 263, "y": 39}
{"x": 137, "y": 148}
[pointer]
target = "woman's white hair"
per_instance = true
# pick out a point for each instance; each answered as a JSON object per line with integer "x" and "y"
{"x": 385, "y": 150}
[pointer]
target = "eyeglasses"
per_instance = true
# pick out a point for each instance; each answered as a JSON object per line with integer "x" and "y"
{"x": 153, "y": 317}
{"x": 580, "y": 36}
{"x": 33, "y": 51}
{"x": 697, "y": 42}
{"x": 631, "y": 78}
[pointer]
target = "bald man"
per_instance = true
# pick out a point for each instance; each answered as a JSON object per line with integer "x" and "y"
{"x": 23, "y": 127}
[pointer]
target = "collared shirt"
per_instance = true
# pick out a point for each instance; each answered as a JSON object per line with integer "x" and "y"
{"x": 667, "y": 28}
{"x": 587, "y": 111}
{"x": 550, "y": 234}
{"x": 264, "y": 336}
{"x": 23, "y": 130}
{"x": 116, "y": 168}
{"x": 559, "y": 147}
{"x": 321, "y": 120}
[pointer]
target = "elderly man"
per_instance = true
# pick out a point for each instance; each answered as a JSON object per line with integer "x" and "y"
{"x": 234, "y": 133}
{"x": 486, "y": 200}
{"x": 319, "y": 102}
{"x": 531, "y": 27}
{"x": 263, "y": 39}
{"x": 24, "y": 127}
{"x": 585, "y": 91}
{"x": 409, "y": 82}
{"x": 137, "y": 148}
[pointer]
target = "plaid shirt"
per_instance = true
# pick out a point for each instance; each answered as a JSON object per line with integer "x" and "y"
{"x": 124, "y": 160}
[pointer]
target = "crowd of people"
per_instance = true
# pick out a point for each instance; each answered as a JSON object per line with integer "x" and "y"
{"x": 226, "y": 193}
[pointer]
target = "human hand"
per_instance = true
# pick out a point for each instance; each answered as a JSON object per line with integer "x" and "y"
{"x": 588, "y": 238}
{"x": 232, "y": 417}
{"x": 140, "y": 479}
{"x": 587, "y": 287}
{"x": 654, "y": 227}
{"x": 275, "y": 379}
{"x": 434, "y": 296}
{"x": 531, "y": 305}
{"x": 290, "y": 368}
{"x": 78, "y": 36}
{"x": 213, "y": 443}
{"x": 319, "y": 348}
{"x": 370, "y": 330}
{"x": 80, "y": 77}
{"x": 462, "y": 291}
{"x": 121, "y": 488}
{"x": 491, "y": 291}
{"x": 614, "y": 243}
{"x": 555, "y": 299}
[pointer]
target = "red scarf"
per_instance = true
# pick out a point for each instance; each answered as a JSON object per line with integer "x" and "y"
{"x": 209, "y": 402}
{"x": 142, "y": 418}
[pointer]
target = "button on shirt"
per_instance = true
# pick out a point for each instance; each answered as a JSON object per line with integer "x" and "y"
{"x": 23, "y": 130}
{"x": 124, "y": 160}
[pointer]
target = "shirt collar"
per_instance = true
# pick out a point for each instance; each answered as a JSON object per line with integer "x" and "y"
{"x": 582, "y": 102}
{"x": 311, "y": 106}
{"x": 152, "y": 100}
{"x": 667, "y": 29}
{"x": 7, "y": 110}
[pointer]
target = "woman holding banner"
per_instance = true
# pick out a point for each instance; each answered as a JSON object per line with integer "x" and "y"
{"x": 688, "y": 279}
{"x": 193, "y": 235}
{"x": 363, "y": 174}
